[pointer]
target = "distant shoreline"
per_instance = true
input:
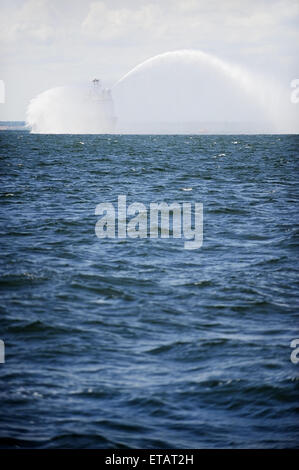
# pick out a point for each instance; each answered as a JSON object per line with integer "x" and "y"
{"x": 190, "y": 128}
{"x": 13, "y": 126}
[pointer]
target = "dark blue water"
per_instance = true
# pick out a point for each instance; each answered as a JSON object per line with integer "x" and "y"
{"x": 141, "y": 343}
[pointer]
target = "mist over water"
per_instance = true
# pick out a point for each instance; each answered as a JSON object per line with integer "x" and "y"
{"x": 180, "y": 90}
{"x": 70, "y": 110}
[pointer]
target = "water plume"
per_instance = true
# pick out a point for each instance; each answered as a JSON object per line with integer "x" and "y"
{"x": 186, "y": 91}
{"x": 188, "y": 86}
{"x": 71, "y": 110}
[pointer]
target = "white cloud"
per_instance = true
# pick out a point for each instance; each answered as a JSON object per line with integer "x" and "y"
{"x": 34, "y": 20}
{"x": 229, "y": 26}
{"x": 105, "y": 23}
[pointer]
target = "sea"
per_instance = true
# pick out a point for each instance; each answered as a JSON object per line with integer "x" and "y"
{"x": 139, "y": 342}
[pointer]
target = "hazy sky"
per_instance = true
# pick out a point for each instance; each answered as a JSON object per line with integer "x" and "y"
{"x": 45, "y": 43}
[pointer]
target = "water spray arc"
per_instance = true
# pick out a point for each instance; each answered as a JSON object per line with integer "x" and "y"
{"x": 183, "y": 87}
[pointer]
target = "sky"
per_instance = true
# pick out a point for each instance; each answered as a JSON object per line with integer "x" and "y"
{"x": 48, "y": 43}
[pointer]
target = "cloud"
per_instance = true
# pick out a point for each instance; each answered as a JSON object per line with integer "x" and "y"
{"x": 105, "y": 23}
{"x": 34, "y": 20}
{"x": 189, "y": 20}
{"x": 171, "y": 23}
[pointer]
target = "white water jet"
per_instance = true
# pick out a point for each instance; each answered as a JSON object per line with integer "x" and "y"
{"x": 190, "y": 86}
{"x": 185, "y": 91}
{"x": 72, "y": 110}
